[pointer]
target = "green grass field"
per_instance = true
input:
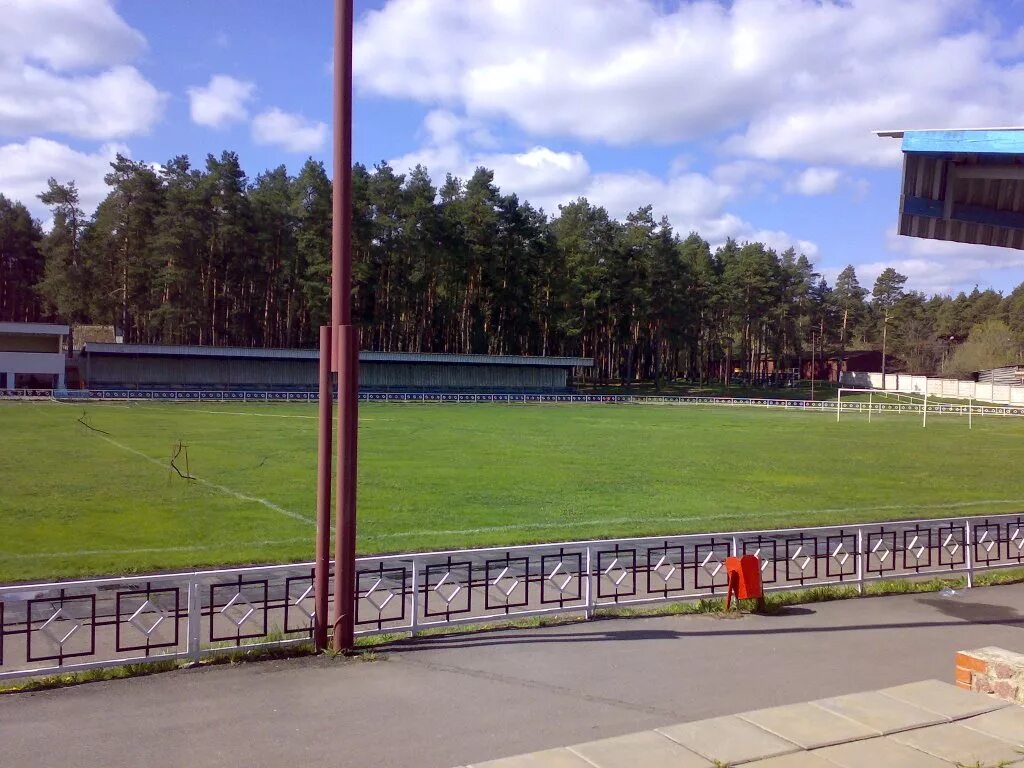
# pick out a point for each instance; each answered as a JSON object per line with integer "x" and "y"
{"x": 76, "y": 502}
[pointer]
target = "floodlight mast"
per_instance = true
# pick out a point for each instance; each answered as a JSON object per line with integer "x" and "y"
{"x": 340, "y": 345}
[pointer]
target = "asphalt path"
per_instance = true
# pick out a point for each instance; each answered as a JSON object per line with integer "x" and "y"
{"x": 446, "y": 701}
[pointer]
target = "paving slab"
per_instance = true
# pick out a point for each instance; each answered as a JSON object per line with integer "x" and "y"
{"x": 551, "y": 758}
{"x": 881, "y": 713}
{"x": 879, "y": 752}
{"x": 957, "y": 744}
{"x": 945, "y": 699}
{"x": 809, "y": 725}
{"x": 795, "y": 760}
{"x": 1006, "y": 724}
{"x": 730, "y": 740}
{"x": 647, "y": 749}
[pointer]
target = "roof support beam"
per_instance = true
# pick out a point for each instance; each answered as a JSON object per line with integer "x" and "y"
{"x": 990, "y": 172}
{"x": 968, "y": 214}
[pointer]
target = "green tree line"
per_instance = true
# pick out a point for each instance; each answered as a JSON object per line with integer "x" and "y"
{"x": 205, "y": 255}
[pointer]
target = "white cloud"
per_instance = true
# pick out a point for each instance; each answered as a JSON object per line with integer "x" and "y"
{"x": 289, "y": 131}
{"x": 67, "y": 34}
{"x": 64, "y": 69}
{"x": 742, "y": 172}
{"x": 815, "y": 181}
{"x": 25, "y": 167}
{"x": 441, "y": 127}
{"x": 113, "y": 104}
{"x": 538, "y": 172}
{"x": 796, "y": 80}
{"x": 549, "y": 178}
{"x": 941, "y": 266}
{"x": 221, "y": 101}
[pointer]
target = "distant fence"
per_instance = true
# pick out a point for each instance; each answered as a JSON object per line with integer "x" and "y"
{"x": 935, "y": 387}
{"x": 65, "y": 626}
{"x": 216, "y": 396}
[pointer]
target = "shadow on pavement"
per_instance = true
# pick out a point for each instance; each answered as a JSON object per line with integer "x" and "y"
{"x": 978, "y": 613}
{"x": 981, "y": 614}
{"x": 791, "y": 610}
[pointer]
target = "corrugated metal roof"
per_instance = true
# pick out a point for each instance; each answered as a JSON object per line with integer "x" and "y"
{"x": 963, "y": 186}
{"x": 190, "y": 350}
{"x": 444, "y": 357}
{"x": 35, "y": 329}
{"x": 165, "y": 350}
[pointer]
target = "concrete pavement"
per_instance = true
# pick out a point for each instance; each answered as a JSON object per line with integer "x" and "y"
{"x": 929, "y": 724}
{"x": 460, "y": 699}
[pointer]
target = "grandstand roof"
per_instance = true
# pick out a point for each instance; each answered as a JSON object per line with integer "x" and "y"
{"x": 35, "y": 329}
{"x": 168, "y": 350}
{"x": 966, "y": 186}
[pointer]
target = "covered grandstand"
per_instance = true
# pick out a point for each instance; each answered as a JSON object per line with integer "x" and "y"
{"x": 153, "y": 366}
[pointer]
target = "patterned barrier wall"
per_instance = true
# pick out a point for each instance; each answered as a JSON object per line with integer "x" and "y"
{"x": 64, "y": 626}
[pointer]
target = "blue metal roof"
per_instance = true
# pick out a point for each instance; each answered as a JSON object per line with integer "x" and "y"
{"x": 168, "y": 350}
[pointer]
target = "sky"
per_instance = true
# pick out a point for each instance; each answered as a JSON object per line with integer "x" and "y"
{"x": 749, "y": 119}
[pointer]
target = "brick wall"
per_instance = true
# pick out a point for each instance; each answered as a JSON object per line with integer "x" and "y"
{"x": 992, "y": 670}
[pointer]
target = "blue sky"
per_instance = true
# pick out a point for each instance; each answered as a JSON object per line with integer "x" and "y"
{"x": 750, "y": 119}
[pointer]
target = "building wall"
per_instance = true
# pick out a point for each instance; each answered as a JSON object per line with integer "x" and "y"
{"x": 24, "y": 342}
{"x": 454, "y": 376}
{"x": 144, "y": 371}
{"x": 41, "y": 366}
{"x": 196, "y": 372}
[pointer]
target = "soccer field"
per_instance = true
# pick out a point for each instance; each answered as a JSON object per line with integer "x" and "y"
{"x": 79, "y": 501}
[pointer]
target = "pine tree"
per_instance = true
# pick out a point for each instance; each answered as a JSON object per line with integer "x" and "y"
{"x": 21, "y": 264}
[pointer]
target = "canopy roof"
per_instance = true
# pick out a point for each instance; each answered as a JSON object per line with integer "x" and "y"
{"x": 165, "y": 350}
{"x": 966, "y": 186}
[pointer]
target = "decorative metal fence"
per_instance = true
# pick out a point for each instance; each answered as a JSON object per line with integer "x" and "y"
{"x": 75, "y": 625}
{"x": 246, "y": 396}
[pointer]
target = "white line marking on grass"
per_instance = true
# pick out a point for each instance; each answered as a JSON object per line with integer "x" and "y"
{"x": 151, "y": 550}
{"x": 155, "y": 407}
{"x": 243, "y": 413}
{"x": 271, "y": 415}
{"x": 690, "y": 519}
{"x": 216, "y": 486}
{"x": 492, "y": 529}
{"x": 55, "y": 401}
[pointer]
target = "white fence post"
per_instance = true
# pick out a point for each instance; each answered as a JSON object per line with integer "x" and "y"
{"x": 195, "y": 619}
{"x": 969, "y": 553}
{"x": 860, "y": 558}
{"x": 415, "y": 607}
{"x": 589, "y": 586}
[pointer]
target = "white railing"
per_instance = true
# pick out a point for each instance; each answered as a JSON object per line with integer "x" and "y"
{"x": 47, "y": 628}
{"x": 270, "y": 396}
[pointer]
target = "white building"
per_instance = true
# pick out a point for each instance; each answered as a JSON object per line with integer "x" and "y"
{"x": 32, "y": 354}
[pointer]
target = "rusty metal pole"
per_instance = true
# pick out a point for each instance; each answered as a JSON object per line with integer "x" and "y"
{"x": 346, "y": 345}
{"x": 324, "y": 476}
{"x": 345, "y": 529}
